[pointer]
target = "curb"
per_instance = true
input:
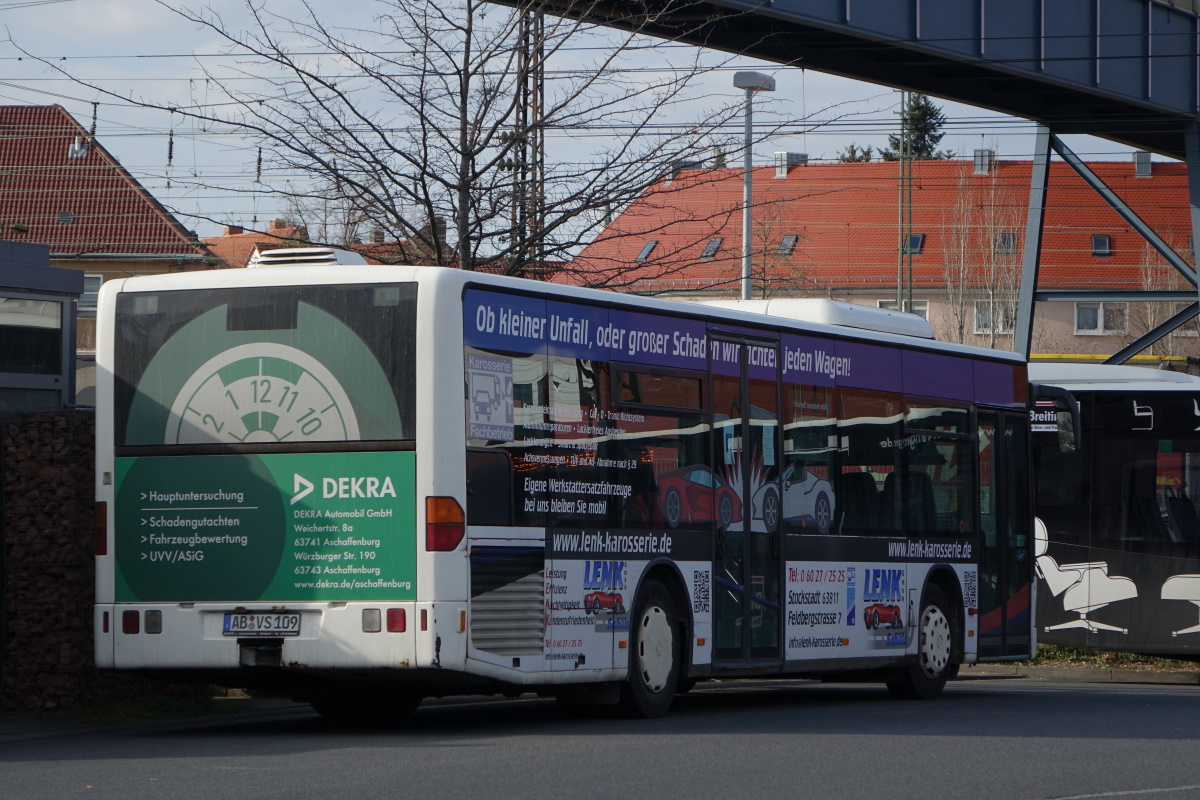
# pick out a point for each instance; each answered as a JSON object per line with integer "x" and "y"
{"x": 1083, "y": 674}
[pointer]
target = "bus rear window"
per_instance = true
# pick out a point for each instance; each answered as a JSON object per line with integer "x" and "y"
{"x": 266, "y": 365}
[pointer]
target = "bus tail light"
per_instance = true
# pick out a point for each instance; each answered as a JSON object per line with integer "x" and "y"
{"x": 445, "y": 524}
{"x": 131, "y": 622}
{"x": 397, "y": 620}
{"x": 101, "y": 529}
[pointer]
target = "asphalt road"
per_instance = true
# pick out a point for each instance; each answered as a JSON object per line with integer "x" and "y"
{"x": 1015, "y": 739}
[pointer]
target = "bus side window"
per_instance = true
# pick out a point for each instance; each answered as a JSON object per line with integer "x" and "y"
{"x": 858, "y": 502}
{"x": 489, "y": 487}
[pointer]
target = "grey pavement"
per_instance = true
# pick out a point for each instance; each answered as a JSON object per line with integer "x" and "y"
{"x": 49, "y": 725}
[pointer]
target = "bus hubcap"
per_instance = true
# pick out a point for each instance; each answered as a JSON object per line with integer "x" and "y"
{"x": 655, "y": 648}
{"x": 935, "y": 641}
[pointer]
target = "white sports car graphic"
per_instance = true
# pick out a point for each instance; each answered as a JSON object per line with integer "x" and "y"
{"x": 806, "y": 497}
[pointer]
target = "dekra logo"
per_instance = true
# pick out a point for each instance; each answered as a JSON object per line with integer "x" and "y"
{"x": 344, "y": 488}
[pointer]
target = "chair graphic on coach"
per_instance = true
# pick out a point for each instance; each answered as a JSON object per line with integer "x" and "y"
{"x": 1183, "y": 587}
{"x": 1084, "y": 587}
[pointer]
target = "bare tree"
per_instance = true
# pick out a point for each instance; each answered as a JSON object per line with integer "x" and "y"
{"x": 776, "y": 253}
{"x": 443, "y": 111}
{"x": 982, "y": 259}
{"x": 958, "y": 260}
{"x": 1155, "y": 274}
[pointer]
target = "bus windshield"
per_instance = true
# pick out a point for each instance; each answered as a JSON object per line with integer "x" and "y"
{"x": 265, "y": 366}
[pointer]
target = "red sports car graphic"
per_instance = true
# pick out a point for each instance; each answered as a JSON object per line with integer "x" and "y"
{"x": 696, "y": 494}
{"x": 878, "y": 614}
{"x": 595, "y": 601}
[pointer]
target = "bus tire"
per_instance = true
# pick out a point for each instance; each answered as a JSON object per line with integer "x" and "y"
{"x": 653, "y": 654}
{"x": 925, "y": 679}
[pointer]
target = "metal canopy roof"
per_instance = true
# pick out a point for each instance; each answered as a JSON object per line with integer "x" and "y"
{"x": 1125, "y": 70}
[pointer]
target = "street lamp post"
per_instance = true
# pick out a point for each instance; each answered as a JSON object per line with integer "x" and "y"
{"x": 752, "y": 82}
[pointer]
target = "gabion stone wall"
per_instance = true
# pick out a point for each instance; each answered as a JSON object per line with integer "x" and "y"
{"x": 47, "y": 567}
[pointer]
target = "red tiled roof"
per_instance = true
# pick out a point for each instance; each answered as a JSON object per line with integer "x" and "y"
{"x": 845, "y": 215}
{"x": 77, "y": 200}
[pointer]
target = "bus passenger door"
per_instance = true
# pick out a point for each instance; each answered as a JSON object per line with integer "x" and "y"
{"x": 747, "y": 621}
{"x": 1005, "y": 565}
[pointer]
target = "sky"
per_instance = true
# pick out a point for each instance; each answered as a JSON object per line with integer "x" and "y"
{"x": 141, "y": 48}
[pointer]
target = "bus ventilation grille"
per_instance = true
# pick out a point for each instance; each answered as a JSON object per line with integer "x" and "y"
{"x": 510, "y": 619}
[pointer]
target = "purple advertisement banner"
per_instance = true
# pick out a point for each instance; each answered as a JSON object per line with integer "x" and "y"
{"x": 935, "y": 375}
{"x": 516, "y": 323}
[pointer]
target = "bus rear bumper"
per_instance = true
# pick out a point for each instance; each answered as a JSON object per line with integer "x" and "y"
{"x": 223, "y": 636}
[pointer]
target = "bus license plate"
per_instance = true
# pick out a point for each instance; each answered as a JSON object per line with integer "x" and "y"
{"x": 262, "y": 625}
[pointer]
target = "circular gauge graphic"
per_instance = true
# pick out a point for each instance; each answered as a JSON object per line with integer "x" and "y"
{"x": 261, "y": 393}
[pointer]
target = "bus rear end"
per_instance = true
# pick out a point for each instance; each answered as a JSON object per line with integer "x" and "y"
{"x": 256, "y": 470}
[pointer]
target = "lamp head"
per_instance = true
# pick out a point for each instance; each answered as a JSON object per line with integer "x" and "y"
{"x": 755, "y": 81}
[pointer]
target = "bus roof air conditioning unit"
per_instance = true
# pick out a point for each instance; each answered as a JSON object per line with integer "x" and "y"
{"x": 834, "y": 312}
{"x": 304, "y": 257}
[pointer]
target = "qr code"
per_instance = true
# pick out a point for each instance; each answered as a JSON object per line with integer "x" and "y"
{"x": 970, "y": 589}
{"x": 700, "y": 600}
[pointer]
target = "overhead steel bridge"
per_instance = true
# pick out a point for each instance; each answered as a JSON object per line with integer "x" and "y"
{"x": 1124, "y": 70}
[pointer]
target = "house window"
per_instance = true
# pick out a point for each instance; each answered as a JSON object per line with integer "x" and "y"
{"x": 710, "y": 249}
{"x": 646, "y": 249}
{"x": 1101, "y": 244}
{"x": 91, "y": 288}
{"x": 992, "y": 316}
{"x": 1006, "y": 243}
{"x": 66, "y": 216}
{"x": 915, "y": 244}
{"x": 1099, "y": 319}
{"x": 919, "y": 307}
{"x": 787, "y": 244}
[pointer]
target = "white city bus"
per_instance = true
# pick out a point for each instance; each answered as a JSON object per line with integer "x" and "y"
{"x": 368, "y": 485}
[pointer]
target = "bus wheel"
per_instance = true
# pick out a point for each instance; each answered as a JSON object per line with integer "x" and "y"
{"x": 935, "y": 652}
{"x": 366, "y": 709}
{"x": 653, "y": 658}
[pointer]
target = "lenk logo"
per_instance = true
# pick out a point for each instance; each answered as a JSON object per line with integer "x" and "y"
{"x": 343, "y": 488}
{"x": 605, "y": 575}
{"x": 882, "y": 585}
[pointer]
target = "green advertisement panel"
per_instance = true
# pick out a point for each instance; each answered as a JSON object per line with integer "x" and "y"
{"x": 252, "y": 528}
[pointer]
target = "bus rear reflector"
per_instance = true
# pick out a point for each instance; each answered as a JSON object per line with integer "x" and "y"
{"x": 130, "y": 622}
{"x": 397, "y": 620}
{"x": 445, "y": 524}
{"x": 101, "y": 529}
